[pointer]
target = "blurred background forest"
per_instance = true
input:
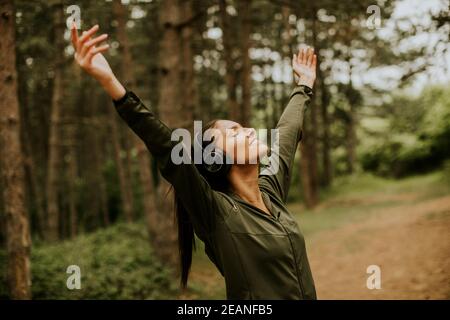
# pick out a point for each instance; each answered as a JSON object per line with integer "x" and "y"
{"x": 371, "y": 183}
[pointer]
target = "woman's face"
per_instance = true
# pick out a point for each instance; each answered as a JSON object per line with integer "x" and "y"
{"x": 239, "y": 143}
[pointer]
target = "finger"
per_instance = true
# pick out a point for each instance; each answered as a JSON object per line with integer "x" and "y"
{"x": 94, "y": 50}
{"x": 74, "y": 35}
{"x": 303, "y": 58}
{"x": 314, "y": 61}
{"x": 86, "y": 35}
{"x": 300, "y": 55}
{"x": 294, "y": 58}
{"x": 310, "y": 56}
{"x": 92, "y": 42}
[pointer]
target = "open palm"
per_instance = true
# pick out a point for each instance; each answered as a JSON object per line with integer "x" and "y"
{"x": 89, "y": 56}
{"x": 99, "y": 67}
{"x": 304, "y": 66}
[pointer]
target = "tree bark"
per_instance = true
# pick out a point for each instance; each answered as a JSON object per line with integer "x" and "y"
{"x": 126, "y": 77}
{"x": 308, "y": 194}
{"x": 230, "y": 72}
{"x": 35, "y": 198}
{"x": 72, "y": 174}
{"x": 170, "y": 112}
{"x": 326, "y": 144}
{"x": 351, "y": 124}
{"x": 308, "y": 161}
{"x": 18, "y": 240}
{"x": 245, "y": 44}
{"x": 54, "y": 156}
{"x": 144, "y": 163}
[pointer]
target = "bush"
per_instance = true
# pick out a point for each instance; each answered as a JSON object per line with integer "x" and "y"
{"x": 418, "y": 139}
{"x": 115, "y": 263}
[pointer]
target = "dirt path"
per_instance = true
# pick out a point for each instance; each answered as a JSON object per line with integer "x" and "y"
{"x": 410, "y": 243}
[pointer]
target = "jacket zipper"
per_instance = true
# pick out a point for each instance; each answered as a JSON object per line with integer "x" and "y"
{"x": 300, "y": 283}
{"x": 299, "y": 280}
{"x": 230, "y": 200}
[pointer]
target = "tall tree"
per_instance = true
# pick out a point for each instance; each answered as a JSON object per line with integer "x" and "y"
{"x": 54, "y": 153}
{"x": 308, "y": 146}
{"x": 231, "y": 80}
{"x": 144, "y": 163}
{"x": 244, "y": 12}
{"x": 171, "y": 112}
{"x": 325, "y": 117}
{"x": 18, "y": 240}
{"x": 120, "y": 12}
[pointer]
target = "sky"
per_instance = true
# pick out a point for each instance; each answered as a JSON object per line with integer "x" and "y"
{"x": 386, "y": 77}
{"x": 419, "y": 12}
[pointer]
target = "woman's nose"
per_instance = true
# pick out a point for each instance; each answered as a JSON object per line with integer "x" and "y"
{"x": 250, "y": 132}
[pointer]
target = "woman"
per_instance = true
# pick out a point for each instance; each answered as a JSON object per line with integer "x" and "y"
{"x": 240, "y": 215}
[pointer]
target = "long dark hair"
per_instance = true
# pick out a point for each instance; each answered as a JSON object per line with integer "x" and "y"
{"x": 186, "y": 236}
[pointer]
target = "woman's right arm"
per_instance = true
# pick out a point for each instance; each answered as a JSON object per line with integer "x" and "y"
{"x": 194, "y": 191}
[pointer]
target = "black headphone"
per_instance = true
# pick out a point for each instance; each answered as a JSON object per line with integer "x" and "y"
{"x": 220, "y": 164}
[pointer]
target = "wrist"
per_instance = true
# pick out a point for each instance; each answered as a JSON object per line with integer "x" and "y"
{"x": 305, "y": 82}
{"x": 113, "y": 87}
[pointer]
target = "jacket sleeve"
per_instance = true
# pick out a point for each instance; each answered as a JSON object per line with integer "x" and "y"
{"x": 290, "y": 128}
{"x": 193, "y": 190}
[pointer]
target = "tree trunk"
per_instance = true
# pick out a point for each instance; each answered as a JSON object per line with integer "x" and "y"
{"x": 308, "y": 162}
{"x": 54, "y": 155}
{"x": 18, "y": 240}
{"x": 308, "y": 194}
{"x": 246, "y": 80}
{"x": 145, "y": 173}
{"x": 351, "y": 125}
{"x": 124, "y": 183}
{"x": 72, "y": 174}
{"x": 188, "y": 84}
{"x": 230, "y": 75}
{"x": 326, "y": 144}
{"x": 171, "y": 112}
{"x": 35, "y": 198}
{"x": 287, "y": 48}
{"x": 127, "y": 77}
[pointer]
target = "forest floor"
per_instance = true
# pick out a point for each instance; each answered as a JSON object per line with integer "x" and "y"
{"x": 402, "y": 226}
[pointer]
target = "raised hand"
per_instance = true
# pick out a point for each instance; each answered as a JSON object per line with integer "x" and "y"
{"x": 88, "y": 55}
{"x": 304, "y": 66}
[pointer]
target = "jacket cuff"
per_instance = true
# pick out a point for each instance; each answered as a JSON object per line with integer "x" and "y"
{"x": 302, "y": 89}
{"x": 121, "y": 100}
{"x": 129, "y": 98}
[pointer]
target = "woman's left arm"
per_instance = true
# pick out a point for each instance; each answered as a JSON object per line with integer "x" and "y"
{"x": 290, "y": 125}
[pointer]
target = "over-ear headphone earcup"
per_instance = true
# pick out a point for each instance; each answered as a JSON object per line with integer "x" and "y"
{"x": 220, "y": 165}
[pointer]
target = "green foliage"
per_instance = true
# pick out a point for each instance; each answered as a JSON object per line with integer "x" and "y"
{"x": 417, "y": 140}
{"x": 115, "y": 263}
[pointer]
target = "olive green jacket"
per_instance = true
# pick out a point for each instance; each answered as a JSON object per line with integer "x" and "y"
{"x": 261, "y": 256}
